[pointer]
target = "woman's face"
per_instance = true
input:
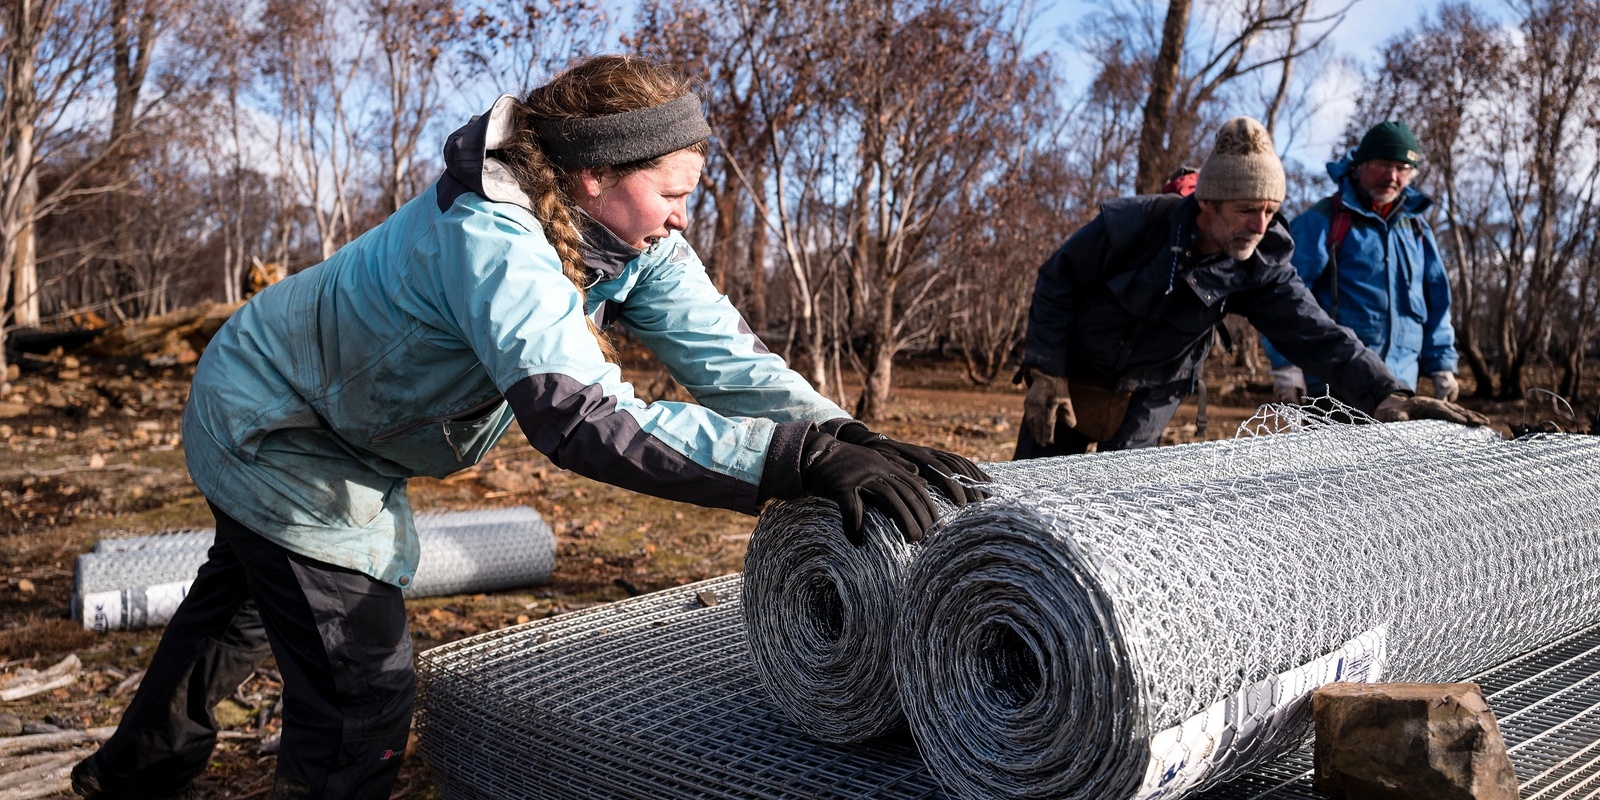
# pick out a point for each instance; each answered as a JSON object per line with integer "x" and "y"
{"x": 642, "y": 207}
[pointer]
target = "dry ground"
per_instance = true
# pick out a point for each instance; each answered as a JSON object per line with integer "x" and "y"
{"x": 97, "y": 450}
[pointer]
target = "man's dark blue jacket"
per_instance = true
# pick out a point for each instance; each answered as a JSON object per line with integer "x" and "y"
{"x": 1128, "y": 300}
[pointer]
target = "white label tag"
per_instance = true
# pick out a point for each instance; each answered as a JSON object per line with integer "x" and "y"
{"x": 132, "y": 609}
{"x": 1230, "y": 734}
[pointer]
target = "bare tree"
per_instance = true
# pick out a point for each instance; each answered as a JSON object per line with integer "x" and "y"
{"x": 514, "y": 45}
{"x": 1507, "y": 124}
{"x": 49, "y": 50}
{"x": 932, "y": 87}
{"x": 1227, "y": 45}
{"x": 1163, "y": 83}
{"x": 312, "y": 65}
{"x": 412, "y": 37}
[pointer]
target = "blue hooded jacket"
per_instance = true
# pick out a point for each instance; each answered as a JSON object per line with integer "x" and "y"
{"x": 1392, "y": 288}
{"x": 413, "y": 348}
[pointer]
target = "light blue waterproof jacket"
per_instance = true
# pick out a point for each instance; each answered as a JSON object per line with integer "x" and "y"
{"x": 413, "y": 348}
{"x": 1392, "y": 288}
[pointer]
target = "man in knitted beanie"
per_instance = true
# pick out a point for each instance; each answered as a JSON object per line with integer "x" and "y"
{"x": 1123, "y": 314}
{"x": 1370, "y": 258}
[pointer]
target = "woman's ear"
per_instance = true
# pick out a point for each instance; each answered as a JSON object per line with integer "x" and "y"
{"x": 589, "y": 183}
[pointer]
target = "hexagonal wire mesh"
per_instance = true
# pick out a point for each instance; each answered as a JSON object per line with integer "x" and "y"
{"x": 656, "y": 697}
{"x": 821, "y": 612}
{"x": 1174, "y": 632}
{"x": 132, "y": 582}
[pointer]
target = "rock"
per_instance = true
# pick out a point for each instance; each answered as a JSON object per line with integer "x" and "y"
{"x": 30, "y": 728}
{"x": 10, "y": 725}
{"x": 1409, "y": 741}
{"x": 12, "y": 410}
{"x": 64, "y": 722}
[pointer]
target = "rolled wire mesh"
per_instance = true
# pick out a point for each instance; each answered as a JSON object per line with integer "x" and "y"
{"x": 134, "y": 582}
{"x": 821, "y": 612}
{"x": 1110, "y": 643}
{"x": 646, "y": 698}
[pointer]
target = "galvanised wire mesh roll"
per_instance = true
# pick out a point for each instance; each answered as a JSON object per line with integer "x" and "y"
{"x": 115, "y": 585}
{"x": 821, "y": 612}
{"x": 647, "y": 698}
{"x": 1146, "y": 642}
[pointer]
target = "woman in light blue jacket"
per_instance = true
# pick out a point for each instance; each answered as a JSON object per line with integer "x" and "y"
{"x": 409, "y": 352}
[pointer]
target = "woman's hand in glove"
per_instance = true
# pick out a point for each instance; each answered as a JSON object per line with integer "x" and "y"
{"x": 855, "y": 477}
{"x": 937, "y": 467}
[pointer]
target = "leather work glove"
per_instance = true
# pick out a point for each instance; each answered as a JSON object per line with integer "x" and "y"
{"x": 1046, "y": 403}
{"x": 1397, "y": 407}
{"x": 855, "y": 477}
{"x": 937, "y": 467}
{"x": 1445, "y": 386}
{"x": 1289, "y": 385}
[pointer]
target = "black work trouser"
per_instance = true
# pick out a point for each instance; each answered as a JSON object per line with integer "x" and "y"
{"x": 342, "y": 646}
{"x": 1149, "y": 411}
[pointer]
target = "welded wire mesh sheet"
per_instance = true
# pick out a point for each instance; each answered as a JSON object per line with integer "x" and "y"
{"x": 487, "y": 734}
{"x": 653, "y": 697}
{"x": 471, "y": 551}
{"x": 1548, "y": 705}
{"x": 821, "y": 611}
{"x": 1174, "y": 632}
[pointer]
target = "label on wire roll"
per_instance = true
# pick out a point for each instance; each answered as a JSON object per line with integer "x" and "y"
{"x": 132, "y": 609}
{"x": 1231, "y": 730}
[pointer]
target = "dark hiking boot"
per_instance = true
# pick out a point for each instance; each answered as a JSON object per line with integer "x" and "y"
{"x": 88, "y": 783}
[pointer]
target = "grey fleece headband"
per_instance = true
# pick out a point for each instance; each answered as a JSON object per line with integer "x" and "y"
{"x": 584, "y": 142}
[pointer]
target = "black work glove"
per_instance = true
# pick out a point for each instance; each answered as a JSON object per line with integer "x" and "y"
{"x": 937, "y": 467}
{"x": 854, "y": 477}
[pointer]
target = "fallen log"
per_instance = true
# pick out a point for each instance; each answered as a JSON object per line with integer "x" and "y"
{"x": 169, "y": 334}
{"x": 28, "y": 683}
{"x": 34, "y": 743}
{"x": 28, "y": 769}
{"x": 57, "y": 781}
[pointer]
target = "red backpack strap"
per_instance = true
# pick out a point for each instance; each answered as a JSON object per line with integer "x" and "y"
{"x": 1338, "y": 228}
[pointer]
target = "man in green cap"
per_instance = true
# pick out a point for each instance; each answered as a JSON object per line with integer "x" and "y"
{"x": 1371, "y": 261}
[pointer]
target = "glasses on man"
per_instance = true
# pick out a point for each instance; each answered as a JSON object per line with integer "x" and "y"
{"x": 1378, "y": 165}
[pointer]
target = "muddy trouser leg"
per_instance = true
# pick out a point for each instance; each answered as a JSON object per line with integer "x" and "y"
{"x": 1149, "y": 411}
{"x": 211, "y": 645}
{"x": 344, "y": 650}
{"x": 1068, "y": 443}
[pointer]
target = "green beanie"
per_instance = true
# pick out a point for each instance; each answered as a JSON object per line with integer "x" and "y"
{"x": 1390, "y": 140}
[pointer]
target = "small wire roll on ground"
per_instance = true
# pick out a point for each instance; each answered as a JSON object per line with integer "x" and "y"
{"x": 1151, "y": 642}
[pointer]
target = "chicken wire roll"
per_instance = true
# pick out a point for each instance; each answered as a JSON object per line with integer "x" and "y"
{"x": 1152, "y": 642}
{"x": 821, "y": 612}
